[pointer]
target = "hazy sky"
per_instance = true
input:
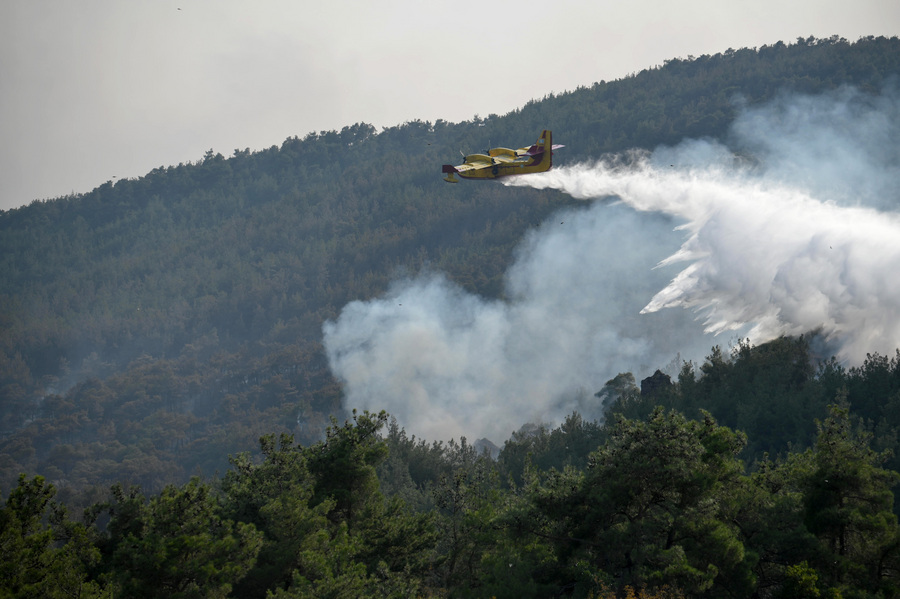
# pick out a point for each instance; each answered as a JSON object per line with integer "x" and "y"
{"x": 102, "y": 89}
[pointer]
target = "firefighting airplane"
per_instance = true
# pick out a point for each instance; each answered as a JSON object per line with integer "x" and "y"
{"x": 503, "y": 162}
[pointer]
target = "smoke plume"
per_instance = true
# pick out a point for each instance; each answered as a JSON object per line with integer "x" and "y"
{"x": 790, "y": 226}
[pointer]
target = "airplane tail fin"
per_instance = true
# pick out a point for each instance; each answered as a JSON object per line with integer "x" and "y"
{"x": 542, "y": 152}
{"x": 543, "y": 144}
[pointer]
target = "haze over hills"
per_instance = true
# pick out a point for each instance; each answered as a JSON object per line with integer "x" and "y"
{"x": 154, "y": 326}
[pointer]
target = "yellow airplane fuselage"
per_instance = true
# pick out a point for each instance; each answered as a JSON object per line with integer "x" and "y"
{"x": 504, "y": 162}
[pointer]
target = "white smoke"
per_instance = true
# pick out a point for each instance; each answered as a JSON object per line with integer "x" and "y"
{"x": 782, "y": 231}
{"x": 789, "y": 241}
{"x": 448, "y": 363}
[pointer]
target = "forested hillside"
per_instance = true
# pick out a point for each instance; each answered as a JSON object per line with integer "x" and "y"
{"x": 156, "y": 326}
{"x": 654, "y": 506}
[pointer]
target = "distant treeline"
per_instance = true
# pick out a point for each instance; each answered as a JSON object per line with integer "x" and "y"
{"x": 154, "y": 326}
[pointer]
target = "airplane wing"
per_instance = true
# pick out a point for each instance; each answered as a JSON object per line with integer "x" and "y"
{"x": 475, "y": 162}
{"x": 472, "y": 166}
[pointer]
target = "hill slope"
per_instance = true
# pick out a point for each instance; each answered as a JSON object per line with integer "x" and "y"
{"x": 155, "y": 325}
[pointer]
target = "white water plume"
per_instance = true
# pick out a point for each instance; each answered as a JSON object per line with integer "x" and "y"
{"x": 783, "y": 250}
{"x": 790, "y": 227}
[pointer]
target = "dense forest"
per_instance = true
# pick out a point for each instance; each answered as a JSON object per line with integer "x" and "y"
{"x": 662, "y": 500}
{"x": 161, "y": 369}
